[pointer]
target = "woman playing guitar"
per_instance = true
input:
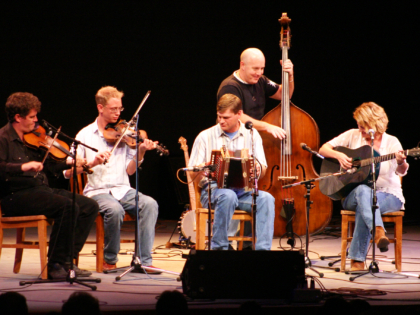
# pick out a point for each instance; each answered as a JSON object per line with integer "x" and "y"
{"x": 372, "y": 122}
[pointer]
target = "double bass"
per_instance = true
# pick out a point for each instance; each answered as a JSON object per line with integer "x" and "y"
{"x": 288, "y": 163}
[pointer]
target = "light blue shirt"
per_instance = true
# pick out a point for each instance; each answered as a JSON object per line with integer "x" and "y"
{"x": 111, "y": 177}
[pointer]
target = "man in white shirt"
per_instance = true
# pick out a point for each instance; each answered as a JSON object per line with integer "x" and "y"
{"x": 109, "y": 184}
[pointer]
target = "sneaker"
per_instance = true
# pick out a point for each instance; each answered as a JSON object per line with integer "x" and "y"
{"x": 56, "y": 271}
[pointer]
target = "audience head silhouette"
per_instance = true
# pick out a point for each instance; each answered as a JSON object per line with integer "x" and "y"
{"x": 171, "y": 302}
{"x": 13, "y": 303}
{"x": 81, "y": 303}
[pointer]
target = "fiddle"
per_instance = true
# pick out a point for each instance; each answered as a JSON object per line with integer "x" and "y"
{"x": 59, "y": 150}
{"x": 113, "y": 133}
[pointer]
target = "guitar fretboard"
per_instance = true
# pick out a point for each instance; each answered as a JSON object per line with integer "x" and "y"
{"x": 382, "y": 158}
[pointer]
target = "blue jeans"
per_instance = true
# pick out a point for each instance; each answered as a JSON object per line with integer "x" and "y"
{"x": 360, "y": 200}
{"x": 113, "y": 212}
{"x": 225, "y": 201}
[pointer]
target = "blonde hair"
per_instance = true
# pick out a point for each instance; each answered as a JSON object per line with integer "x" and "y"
{"x": 371, "y": 115}
{"x": 106, "y": 93}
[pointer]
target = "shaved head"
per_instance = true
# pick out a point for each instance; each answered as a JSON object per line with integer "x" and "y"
{"x": 250, "y": 54}
{"x": 252, "y": 65}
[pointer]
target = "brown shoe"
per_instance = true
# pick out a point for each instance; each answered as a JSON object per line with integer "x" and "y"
{"x": 380, "y": 239}
{"x": 108, "y": 267}
{"x": 149, "y": 271}
{"x": 356, "y": 265}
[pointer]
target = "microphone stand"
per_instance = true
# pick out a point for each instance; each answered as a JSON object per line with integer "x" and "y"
{"x": 135, "y": 265}
{"x": 373, "y": 267}
{"x": 209, "y": 210}
{"x": 308, "y": 184}
{"x": 71, "y": 276}
{"x": 254, "y": 188}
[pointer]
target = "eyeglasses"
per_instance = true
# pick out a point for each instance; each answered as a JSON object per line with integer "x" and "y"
{"x": 116, "y": 109}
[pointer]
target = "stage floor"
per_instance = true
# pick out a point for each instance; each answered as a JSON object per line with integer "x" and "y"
{"x": 136, "y": 292}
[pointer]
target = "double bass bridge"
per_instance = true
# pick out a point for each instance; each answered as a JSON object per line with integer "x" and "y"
{"x": 287, "y": 180}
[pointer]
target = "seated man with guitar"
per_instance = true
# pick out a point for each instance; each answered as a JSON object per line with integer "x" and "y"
{"x": 372, "y": 121}
{"x": 230, "y": 133}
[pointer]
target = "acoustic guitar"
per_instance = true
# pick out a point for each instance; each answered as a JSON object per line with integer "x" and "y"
{"x": 338, "y": 187}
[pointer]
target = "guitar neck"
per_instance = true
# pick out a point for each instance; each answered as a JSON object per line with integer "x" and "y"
{"x": 191, "y": 189}
{"x": 382, "y": 158}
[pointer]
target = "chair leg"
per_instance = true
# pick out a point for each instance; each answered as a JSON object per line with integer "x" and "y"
{"x": 1, "y": 239}
{"x": 201, "y": 227}
{"x": 42, "y": 241}
{"x": 20, "y": 238}
{"x": 241, "y": 234}
{"x": 344, "y": 234}
{"x": 99, "y": 243}
{"x": 398, "y": 243}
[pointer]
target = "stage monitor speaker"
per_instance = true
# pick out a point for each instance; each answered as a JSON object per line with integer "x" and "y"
{"x": 243, "y": 274}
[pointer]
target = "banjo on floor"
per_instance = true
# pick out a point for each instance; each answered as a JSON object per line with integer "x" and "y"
{"x": 338, "y": 187}
{"x": 187, "y": 222}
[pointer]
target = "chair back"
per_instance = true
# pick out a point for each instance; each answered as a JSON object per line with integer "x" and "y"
{"x": 80, "y": 184}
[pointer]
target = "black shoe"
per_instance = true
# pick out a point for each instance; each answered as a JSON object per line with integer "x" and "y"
{"x": 56, "y": 271}
{"x": 231, "y": 247}
{"x": 81, "y": 272}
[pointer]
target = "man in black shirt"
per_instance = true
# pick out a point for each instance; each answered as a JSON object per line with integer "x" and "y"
{"x": 24, "y": 192}
{"x": 252, "y": 87}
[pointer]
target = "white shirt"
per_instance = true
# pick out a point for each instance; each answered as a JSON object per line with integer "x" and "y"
{"x": 388, "y": 179}
{"x": 214, "y": 138}
{"x": 111, "y": 177}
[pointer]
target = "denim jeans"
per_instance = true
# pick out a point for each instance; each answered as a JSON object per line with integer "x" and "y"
{"x": 113, "y": 212}
{"x": 360, "y": 200}
{"x": 225, "y": 201}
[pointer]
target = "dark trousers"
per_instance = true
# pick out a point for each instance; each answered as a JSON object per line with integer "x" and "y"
{"x": 56, "y": 204}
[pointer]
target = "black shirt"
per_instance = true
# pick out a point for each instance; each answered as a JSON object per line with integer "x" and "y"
{"x": 252, "y": 95}
{"x": 13, "y": 153}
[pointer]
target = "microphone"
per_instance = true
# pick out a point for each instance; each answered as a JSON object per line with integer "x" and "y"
{"x": 249, "y": 124}
{"x": 372, "y": 133}
{"x": 199, "y": 168}
{"x": 48, "y": 129}
{"x": 306, "y": 148}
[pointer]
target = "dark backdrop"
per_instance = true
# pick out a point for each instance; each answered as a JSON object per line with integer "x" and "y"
{"x": 344, "y": 54}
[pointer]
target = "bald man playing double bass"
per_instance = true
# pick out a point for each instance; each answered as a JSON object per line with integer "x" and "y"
{"x": 252, "y": 87}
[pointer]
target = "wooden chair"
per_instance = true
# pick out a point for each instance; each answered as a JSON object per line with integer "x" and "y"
{"x": 20, "y": 224}
{"x": 202, "y": 218}
{"x": 81, "y": 182}
{"x": 347, "y": 227}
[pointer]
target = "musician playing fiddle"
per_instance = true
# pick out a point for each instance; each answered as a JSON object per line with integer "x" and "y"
{"x": 370, "y": 117}
{"x": 24, "y": 191}
{"x": 252, "y": 87}
{"x": 231, "y": 133}
{"x": 109, "y": 185}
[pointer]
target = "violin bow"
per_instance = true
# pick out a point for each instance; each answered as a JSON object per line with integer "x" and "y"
{"x": 129, "y": 124}
{"x": 49, "y": 149}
